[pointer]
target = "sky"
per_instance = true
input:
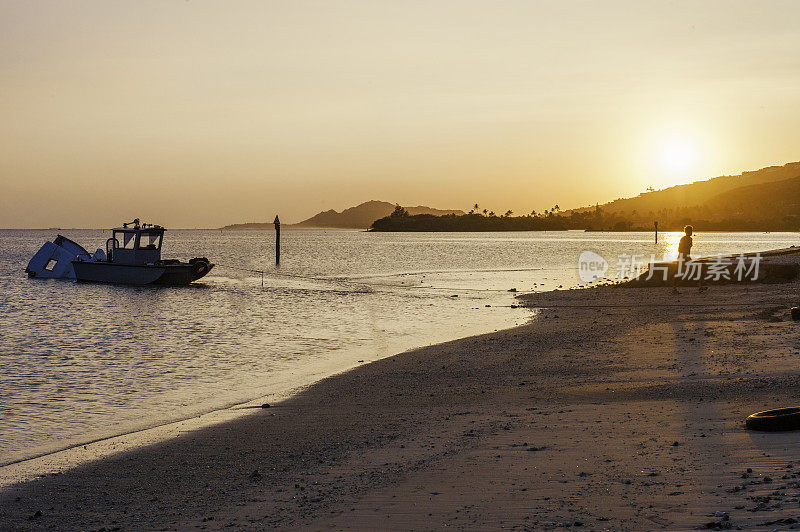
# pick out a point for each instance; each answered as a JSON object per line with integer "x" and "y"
{"x": 202, "y": 114}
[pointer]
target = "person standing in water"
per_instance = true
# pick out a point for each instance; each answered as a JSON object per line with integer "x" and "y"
{"x": 684, "y": 257}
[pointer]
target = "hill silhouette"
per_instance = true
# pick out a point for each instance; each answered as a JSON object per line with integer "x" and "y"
{"x": 765, "y": 199}
{"x": 703, "y": 198}
{"x": 762, "y": 200}
{"x": 358, "y": 217}
{"x": 770, "y": 203}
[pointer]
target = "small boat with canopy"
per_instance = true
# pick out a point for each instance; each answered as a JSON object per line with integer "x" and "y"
{"x": 132, "y": 256}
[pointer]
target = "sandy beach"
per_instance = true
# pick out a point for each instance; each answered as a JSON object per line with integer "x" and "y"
{"x": 615, "y": 408}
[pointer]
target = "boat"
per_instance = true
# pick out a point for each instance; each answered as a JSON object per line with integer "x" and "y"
{"x": 132, "y": 256}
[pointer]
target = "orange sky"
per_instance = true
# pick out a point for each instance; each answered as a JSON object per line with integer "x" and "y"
{"x": 200, "y": 114}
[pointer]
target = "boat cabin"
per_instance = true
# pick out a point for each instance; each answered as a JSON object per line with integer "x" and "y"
{"x": 135, "y": 244}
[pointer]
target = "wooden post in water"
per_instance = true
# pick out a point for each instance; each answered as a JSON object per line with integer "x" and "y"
{"x": 655, "y": 224}
{"x": 277, "y": 223}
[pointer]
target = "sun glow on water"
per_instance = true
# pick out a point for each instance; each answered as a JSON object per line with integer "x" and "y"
{"x": 670, "y": 242}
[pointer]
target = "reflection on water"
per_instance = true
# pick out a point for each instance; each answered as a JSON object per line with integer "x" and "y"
{"x": 78, "y": 361}
{"x": 670, "y": 249}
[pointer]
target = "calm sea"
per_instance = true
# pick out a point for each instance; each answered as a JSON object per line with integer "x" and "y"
{"x": 82, "y": 361}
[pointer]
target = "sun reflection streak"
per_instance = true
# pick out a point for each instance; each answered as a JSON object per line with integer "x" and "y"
{"x": 668, "y": 245}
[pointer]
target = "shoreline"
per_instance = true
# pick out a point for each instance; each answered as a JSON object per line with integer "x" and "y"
{"x": 73, "y": 455}
{"x": 624, "y": 396}
{"x": 74, "y": 452}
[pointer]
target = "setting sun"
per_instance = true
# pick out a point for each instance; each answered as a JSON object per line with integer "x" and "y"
{"x": 678, "y": 156}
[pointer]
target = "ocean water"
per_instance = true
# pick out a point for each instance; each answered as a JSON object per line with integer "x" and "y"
{"x": 84, "y": 361}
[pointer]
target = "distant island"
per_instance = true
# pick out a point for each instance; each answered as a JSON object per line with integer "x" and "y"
{"x": 358, "y": 217}
{"x": 761, "y": 200}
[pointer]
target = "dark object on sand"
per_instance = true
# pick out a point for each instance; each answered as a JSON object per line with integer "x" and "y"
{"x": 796, "y": 313}
{"x": 775, "y": 420}
{"x": 774, "y": 266}
{"x": 266, "y": 405}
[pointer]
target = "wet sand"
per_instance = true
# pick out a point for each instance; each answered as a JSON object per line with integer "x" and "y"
{"x": 617, "y": 408}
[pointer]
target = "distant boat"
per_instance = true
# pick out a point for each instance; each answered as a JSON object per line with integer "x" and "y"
{"x": 132, "y": 256}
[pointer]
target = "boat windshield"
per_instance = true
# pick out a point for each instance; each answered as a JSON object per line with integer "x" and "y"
{"x": 125, "y": 240}
{"x": 150, "y": 241}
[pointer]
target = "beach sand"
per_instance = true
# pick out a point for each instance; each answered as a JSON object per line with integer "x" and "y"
{"x": 616, "y": 408}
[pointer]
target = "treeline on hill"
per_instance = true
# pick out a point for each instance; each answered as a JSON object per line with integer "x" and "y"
{"x": 400, "y": 220}
{"x": 762, "y": 200}
{"x": 590, "y": 220}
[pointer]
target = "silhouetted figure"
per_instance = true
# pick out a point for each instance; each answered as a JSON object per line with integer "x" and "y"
{"x": 685, "y": 244}
{"x": 684, "y": 257}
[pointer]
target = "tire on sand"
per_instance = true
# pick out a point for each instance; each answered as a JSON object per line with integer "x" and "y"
{"x": 775, "y": 420}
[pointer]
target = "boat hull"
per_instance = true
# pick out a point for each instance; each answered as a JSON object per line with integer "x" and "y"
{"x": 113, "y": 273}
